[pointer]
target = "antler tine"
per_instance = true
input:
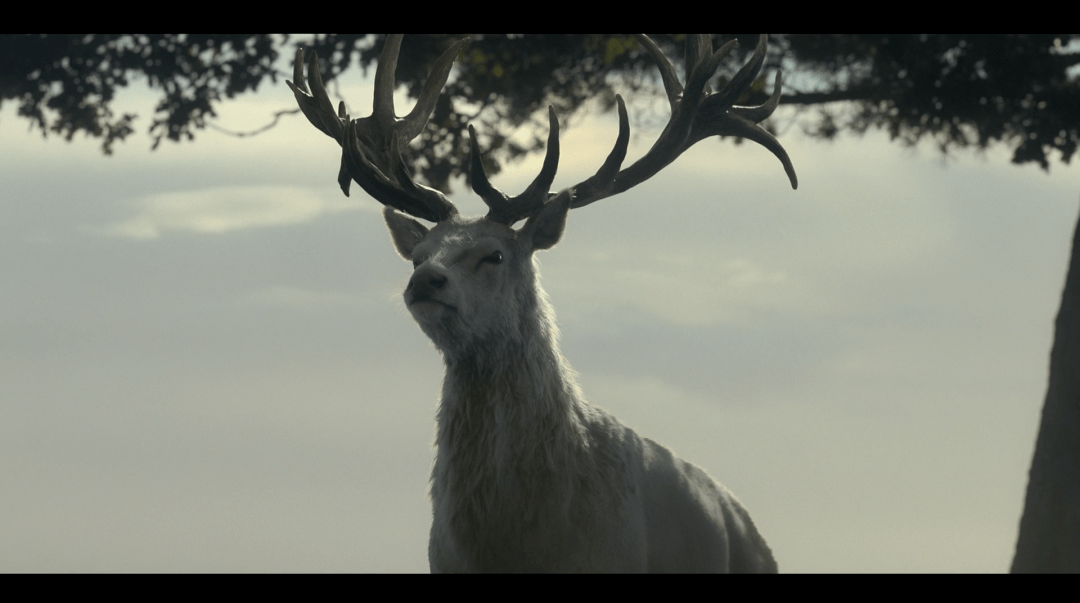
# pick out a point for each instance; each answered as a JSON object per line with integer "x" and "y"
{"x": 371, "y": 146}
{"x": 601, "y": 184}
{"x": 315, "y": 105}
{"x": 536, "y": 193}
{"x": 382, "y": 106}
{"x": 417, "y": 119}
{"x": 507, "y": 210}
{"x": 478, "y": 175}
{"x": 667, "y": 71}
{"x": 730, "y": 93}
{"x": 760, "y": 112}
{"x": 698, "y": 48}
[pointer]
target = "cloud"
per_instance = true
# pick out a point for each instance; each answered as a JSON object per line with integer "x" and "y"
{"x": 225, "y": 209}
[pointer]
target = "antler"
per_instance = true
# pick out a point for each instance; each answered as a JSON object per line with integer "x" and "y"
{"x": 507, "y": 210}
{"x": 696, "y": 114}
{"x": 371, "y": 146}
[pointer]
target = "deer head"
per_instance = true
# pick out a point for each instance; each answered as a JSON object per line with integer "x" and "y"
{"x": 468, "y": 271}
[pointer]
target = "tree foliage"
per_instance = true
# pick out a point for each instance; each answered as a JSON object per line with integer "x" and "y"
{"x": 959, "y": 90}
{"x": 67, "y": 84}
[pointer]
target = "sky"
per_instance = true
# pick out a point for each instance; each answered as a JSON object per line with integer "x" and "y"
{"x": 207, "y": 364}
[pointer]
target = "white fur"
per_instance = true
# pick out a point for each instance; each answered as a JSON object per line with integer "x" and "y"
{"x": 528, "y": 476}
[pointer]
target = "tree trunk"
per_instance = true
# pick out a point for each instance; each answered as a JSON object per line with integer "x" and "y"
{"x": 1049, "y": 538}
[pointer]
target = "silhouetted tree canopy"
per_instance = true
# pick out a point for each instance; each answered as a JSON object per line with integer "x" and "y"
{"x": 960, "y": 90}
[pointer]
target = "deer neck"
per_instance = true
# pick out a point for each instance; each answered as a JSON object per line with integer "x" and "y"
{"x": 511, "y": 419}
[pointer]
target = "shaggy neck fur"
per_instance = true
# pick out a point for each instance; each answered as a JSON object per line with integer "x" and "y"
{"x": 511, "y": 439}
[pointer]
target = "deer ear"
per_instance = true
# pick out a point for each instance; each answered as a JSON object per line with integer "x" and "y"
{"x": 545, "y": 227}
{"x": 405, "y": 232}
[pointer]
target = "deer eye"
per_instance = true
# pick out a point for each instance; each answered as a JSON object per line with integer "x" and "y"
{"x": 494, "y": 258}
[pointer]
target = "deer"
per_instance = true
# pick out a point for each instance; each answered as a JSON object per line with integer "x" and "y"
{"x": 528, "y": 476}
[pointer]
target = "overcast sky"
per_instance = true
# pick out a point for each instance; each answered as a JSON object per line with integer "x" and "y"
{"x": 206, "y": 364}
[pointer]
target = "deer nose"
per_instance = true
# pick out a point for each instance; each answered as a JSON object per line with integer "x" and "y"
{"x": 426, "y": 281}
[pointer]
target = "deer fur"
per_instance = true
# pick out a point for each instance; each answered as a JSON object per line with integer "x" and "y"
{"x": 528, "y": 476}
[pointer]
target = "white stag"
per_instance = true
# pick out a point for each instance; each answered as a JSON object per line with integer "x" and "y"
{"x": 528, "y": 476}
